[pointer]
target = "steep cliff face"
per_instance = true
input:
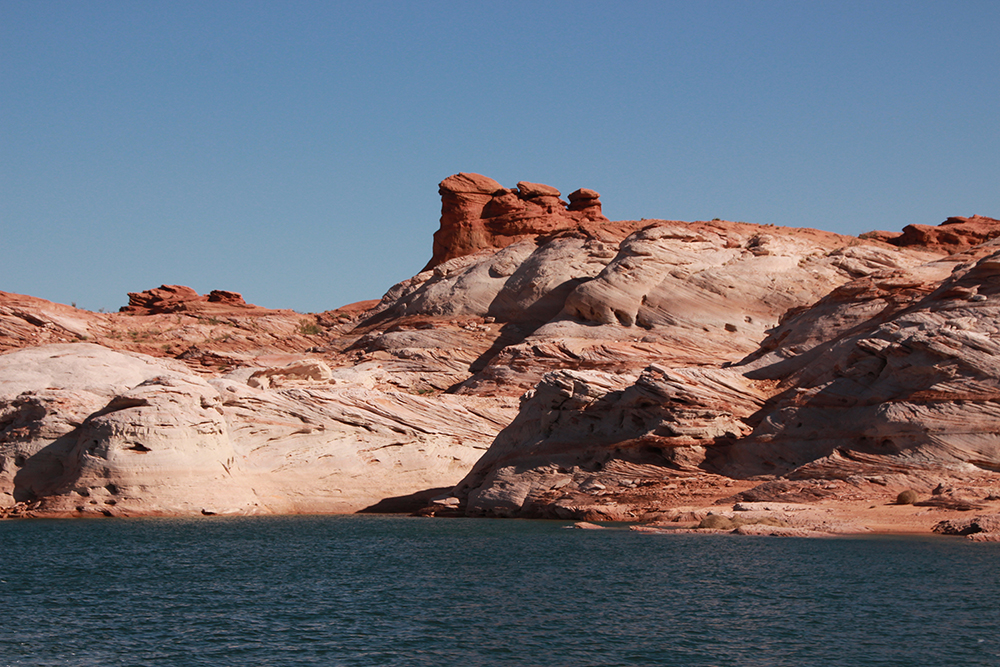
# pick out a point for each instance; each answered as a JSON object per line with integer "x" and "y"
{"x": 550, "y": 362}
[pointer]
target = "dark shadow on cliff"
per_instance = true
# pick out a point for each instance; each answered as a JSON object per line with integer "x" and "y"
{"x": 803, "y": 317}
{"x": 405, "y": 504}
{"x": 48, "y": 470}
{"x": 520, "y": 324}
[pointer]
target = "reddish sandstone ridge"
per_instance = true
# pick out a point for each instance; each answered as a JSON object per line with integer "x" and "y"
{"x": 175, "y": 298}
{"x": 477, "y": 213}
{"x": 953, "y": 235}
{"x": 208, "y": 333}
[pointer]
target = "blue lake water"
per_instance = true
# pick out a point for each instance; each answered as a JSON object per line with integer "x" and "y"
{"x": 369, "y": 590}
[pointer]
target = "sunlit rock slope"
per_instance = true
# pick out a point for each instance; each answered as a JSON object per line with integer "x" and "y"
{"x": 548, "y": 362}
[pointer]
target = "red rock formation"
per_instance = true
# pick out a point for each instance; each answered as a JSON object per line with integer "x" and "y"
{"x": 887, "y": 383}
{"x": 228, "y": 298}
{"x": 174, "y": 298}
{"x": 587, "y": 202}
{"x": 163, "y": 299}
{"x": 477, "y": 213}
{"x": 954, "y": 234}
{"x": 190, "y": 331}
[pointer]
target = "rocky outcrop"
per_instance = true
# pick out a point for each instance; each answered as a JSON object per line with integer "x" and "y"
{"x": 680, "y": 293}
{"x": 599, "y": 446}
{"x": 953, "y": 235}
{"x": 209, "y": 336}
{"x": 980, "y": 526}
{"x": 175, "y": 298}
{"x": 477, "y": 213}
{"x": 84, "y": 426}
{"x": 549, "y": 362}
{"x": 307, "y": 399}
{"x": 26, "y": 321}
{"x": 905, "y": 386}
{"x": 587, "y": 202}
{"x": 887, "y": 383}
{"x": 87, "y": 430}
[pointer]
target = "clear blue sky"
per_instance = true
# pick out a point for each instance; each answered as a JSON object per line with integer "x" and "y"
{"x": 291, "y": 151}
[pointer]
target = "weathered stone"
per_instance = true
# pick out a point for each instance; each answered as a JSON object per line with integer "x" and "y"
{"x": 90, "y": 430}
{"x": 228, "y": 298}
{"x": 583, "y": 195}
{"x": 586, "y": 202}
{"x": 465, "y": 183}
{"x": 662, "y": 365}
{"x": 303, "y": 370}
{"x": 175, "y": 298}
{"x": 954, "y": 234}
{"x": 531, "y": 190}
{"x": 478, "y": 214}
{"x": 989, "y": 524}
{"x": 163, "y": 299}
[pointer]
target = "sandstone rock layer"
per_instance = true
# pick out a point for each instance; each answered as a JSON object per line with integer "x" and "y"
{"x": 548, "y": 363}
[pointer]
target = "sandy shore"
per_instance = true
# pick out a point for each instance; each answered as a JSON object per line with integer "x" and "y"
{"x": 830, "y": 519}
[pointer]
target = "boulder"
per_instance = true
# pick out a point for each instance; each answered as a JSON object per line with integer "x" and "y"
{"x": 226, "y": 297}
{"x": 587, "y": 202}
{"x": 528, "y": 190}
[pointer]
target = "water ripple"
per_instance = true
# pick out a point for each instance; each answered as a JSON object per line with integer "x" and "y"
{"x": 390, "y": 591}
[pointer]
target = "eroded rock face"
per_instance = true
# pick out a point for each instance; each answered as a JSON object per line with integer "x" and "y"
{"x": 84, "y": 430}
{"x": 954, "y": 234}
{"x": 171, "y": 426}
{"x": 584, "y": 433}
{"x": 679, "y": 293}
{"x": 910, "y": 389}
{"x": 78, "y": 420}
{"x": 213, "y": 333}
{"x": 613, "y": 370}
{"x": 890, "y": 381}
{"x": 477, "y": 213}
{"x": 26, "y": 321}
{"x": 174, "y": 298}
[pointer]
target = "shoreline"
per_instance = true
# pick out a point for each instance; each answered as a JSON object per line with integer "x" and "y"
{"x": 846, "y": 518}
{"x": 776, "y": 519}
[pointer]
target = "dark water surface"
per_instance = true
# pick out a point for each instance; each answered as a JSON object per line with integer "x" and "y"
{"x": 363, "y": 590}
